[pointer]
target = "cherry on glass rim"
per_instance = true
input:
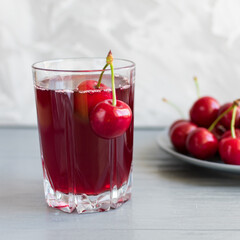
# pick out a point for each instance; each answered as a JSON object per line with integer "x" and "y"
{"x": 110, "y": 118}
{"x": 110, "y": 121}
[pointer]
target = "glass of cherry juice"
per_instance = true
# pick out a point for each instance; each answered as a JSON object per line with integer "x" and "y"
{"x": 81, "y": 169}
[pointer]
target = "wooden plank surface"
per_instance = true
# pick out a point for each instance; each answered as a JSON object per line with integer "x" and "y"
{"x": 171, "y": 200}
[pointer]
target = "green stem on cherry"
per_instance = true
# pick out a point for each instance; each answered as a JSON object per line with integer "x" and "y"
{"x": 173, "y": 105}
{"x": 114, "y": 101}
{"x": 197, "y": 86}
{"x": 100, "y": 78}
{"x": 234, "y": 105}
{"x": 220, "y": 117}
{"x": 233, "y": 121}
{"x": 110, "y": 62}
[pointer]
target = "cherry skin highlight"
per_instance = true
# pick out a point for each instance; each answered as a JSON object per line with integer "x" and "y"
{"x": 204, "y": 111}
{"x": 201, "y": 143}
{"x": 226, "y": 120}
{"x": 229, "y": 149}
{"x": 109, "y": 121}
{"x": 179, "y": 133}
{"x": 84, "y": 103}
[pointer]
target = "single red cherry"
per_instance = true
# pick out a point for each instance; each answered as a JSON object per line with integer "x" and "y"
{"x": 112, "y": 117}
{"x": 226, "y": 120}
{"x": 110, "y": 121}
{"x": 179, "y": 133}
{"x": 176, "y": 123}
{"x": 201, "y": 143}
{"x": 229, "y": 149}
{"x": 88, "y": 95}
{"x": 229, "y": 134}
{"x": 204, "y": 111}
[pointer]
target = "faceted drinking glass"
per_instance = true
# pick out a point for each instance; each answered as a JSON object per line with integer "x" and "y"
{"x": 81, "y": 170}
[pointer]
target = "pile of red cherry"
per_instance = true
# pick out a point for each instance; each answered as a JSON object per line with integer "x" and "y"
{"x": 211, "y": 129}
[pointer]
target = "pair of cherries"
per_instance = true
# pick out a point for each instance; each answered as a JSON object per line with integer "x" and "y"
{"x": 206, "y": 131}
{"x": 108, "y": 117}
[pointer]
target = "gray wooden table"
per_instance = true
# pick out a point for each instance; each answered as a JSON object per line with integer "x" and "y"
{"x": 171, "y": 200}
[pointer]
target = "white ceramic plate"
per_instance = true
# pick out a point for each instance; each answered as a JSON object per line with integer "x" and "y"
{"x": 216, "y": 164}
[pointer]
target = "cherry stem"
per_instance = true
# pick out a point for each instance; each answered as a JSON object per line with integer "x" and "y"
{"x": 220, "y": 117}
{"x": 197, "y": 86}
{"x": 233, "y": 121}
{"x": 234, "y": 104}
{"x": 110, "y": 62}
{"x": 100, "y": 78}
{"x": 114, "y": 101}
{"x": 173, "y": 105}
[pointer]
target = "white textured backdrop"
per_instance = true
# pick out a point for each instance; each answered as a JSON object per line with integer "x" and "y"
{"x": 170, "y": 41}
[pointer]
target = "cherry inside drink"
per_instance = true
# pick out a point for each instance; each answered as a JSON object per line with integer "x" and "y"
{"x": 75, "y": 160}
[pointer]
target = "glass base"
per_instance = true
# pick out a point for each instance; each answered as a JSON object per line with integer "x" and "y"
{"x": 84, "y": 203}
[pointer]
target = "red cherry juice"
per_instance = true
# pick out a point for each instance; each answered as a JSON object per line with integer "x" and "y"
{"x": 75, "y": 159}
